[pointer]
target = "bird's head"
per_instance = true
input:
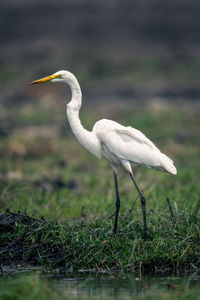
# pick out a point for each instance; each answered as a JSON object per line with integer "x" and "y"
{"x": 60, "y": 76}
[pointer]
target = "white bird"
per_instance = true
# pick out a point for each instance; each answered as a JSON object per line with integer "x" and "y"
{"x": 122, "y": 146}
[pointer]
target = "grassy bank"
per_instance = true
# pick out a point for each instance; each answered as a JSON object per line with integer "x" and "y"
{"x": 90, "y": 244}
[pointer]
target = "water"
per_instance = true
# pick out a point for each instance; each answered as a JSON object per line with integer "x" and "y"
{"x": 120, "y": 286}
{"x": 115, "y": 285}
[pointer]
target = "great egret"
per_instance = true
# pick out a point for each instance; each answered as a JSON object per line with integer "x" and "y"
{"x": 122, "y": 146}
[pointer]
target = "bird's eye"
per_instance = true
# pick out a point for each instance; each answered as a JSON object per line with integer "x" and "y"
{"x": 59, "y": 76}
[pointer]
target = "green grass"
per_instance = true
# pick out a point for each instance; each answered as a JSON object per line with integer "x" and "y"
{"x": 89, "y": 244}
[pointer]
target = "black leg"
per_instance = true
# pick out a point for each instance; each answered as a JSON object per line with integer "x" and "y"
{"x": 117, "y": 202}
{"x": 143, "y": 202}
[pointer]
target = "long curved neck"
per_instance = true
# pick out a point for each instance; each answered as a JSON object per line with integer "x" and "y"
{"x": 86, "y": 138}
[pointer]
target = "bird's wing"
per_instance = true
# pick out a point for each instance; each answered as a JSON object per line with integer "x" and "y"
{"x": 128, "y": 143}
{"x": 136, "y": 135}
{"x": 137, "y": 148}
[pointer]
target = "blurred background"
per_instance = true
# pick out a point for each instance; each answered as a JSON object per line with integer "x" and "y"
{"x": 138, "y": 62}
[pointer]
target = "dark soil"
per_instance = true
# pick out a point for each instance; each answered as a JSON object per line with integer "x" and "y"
{"x": 12, "y": 246}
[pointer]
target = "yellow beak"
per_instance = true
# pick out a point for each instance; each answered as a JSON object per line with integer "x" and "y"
{"x": 45, "y": 79}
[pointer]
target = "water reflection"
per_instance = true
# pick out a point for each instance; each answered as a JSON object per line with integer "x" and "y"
{"x": 117, "y": 286}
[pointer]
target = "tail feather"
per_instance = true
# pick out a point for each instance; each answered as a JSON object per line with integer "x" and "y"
{"x": 167, "y": 164}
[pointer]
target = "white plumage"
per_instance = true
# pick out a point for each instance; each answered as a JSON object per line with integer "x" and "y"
{"x": 122, "y": 146}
